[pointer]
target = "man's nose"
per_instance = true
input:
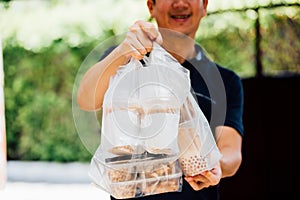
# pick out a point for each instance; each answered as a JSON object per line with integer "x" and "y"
{"x": 180, "y": 3}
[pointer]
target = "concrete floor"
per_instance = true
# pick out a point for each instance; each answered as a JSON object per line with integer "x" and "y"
{"x": 48, "y": 181}
{"x": 50, "y": 191}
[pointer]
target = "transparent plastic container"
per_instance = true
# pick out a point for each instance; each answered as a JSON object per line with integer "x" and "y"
{"x": 137, "y": 175}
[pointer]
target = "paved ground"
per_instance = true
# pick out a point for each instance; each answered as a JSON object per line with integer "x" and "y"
{"x": 48, "y": 181}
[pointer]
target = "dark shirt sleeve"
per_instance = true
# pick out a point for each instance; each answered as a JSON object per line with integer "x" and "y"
{"x": 106, "y": 52}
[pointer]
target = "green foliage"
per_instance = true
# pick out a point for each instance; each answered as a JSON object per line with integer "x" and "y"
{"x": 229, "y": 39}
{"x": 281, "y": 44}
{"x": 38, "y": 97}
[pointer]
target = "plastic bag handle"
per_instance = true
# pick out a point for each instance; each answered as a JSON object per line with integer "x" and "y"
{"x": 155, "y": 56}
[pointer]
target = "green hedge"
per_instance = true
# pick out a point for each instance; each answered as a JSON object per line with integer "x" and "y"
{"x": 38, "y": 103}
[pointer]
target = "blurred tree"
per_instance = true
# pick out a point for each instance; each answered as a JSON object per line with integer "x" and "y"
{"x": 38, "y": 95}
{"x": 280, "y": 44}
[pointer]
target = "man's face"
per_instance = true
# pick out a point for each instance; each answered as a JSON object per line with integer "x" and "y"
{"x": 179, "y": 15}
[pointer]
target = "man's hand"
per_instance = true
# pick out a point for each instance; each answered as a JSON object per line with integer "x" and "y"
{"x": 205, "y": 179}
{"x": 139, "y": 39}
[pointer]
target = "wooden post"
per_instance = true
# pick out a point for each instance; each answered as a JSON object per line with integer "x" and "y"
{"x": 3, "y": 156}
{"x": 259, "y": 67}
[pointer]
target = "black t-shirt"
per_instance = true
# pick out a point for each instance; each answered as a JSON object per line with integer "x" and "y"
{"x": 219, "y": 93}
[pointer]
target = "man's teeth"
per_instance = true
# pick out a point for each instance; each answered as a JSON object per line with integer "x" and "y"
{"x": 180, "y": 16}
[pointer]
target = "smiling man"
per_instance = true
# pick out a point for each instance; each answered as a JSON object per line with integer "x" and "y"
{"x": 178, "y": 16}
{"x": 218, "y": 90}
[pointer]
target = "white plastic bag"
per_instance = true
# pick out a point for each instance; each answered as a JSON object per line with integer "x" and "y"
{"x": 138, "y": 154}
{"x": 153, "y": 131}
{"x": 198, "y": 149}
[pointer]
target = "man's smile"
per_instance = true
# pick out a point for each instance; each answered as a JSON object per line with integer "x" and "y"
{"x": 180, "y": 16}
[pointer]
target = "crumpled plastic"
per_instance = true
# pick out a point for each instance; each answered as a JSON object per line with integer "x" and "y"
{"x": 152, "y": 132}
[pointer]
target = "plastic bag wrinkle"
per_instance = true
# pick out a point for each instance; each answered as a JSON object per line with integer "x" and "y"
{"x": 152, "y": 132}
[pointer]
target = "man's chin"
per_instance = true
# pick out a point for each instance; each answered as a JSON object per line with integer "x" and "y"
{"x": 174, "y": 32}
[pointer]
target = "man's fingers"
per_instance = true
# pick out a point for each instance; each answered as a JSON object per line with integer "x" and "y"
{"x": 151, "y": 31}
{"x": 212, "y": 176}
{"x": 144, "y": 33}
{"x": 196, "y": 185}
{"x": 159, "y": 39}
{"x": 198, "y": 178}
{"x": 139, "y": 39}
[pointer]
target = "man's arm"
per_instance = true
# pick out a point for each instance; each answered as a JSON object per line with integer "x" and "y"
{"x": 229, "y": 142}
{"x": 138, "y": 41}
{"x": 96, "y": 80}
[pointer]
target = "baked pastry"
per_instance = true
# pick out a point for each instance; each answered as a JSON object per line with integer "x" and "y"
{"x": 162, "y": 186}
{"x": 123, "y": 190}
{"x": 120, "y": 175}
{"x": 122, "y": 150}
{"x": 154, "y": 150}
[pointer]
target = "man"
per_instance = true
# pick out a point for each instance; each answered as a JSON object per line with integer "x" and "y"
{"x": 178, "y": 22}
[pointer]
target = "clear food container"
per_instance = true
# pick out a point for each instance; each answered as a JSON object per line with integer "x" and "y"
{"x": 137, "y": 175}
